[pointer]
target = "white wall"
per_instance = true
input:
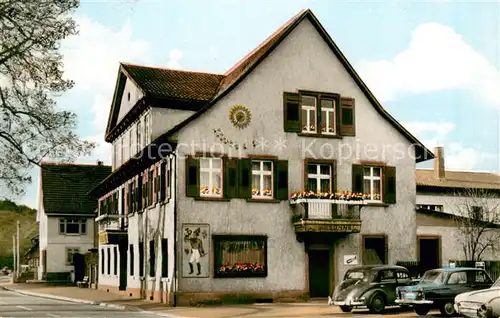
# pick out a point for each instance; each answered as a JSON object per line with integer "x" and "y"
{"x": 451, "y": 203}
{"x": 131, "y": 94}
{"x": 57, "y": 244}
{"x": 164, "y": 119}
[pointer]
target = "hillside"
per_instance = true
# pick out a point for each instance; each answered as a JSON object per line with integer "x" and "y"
{"x": 10, "y": 213}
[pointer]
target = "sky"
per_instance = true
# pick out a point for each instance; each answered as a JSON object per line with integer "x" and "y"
{"x": 434, "y": 65}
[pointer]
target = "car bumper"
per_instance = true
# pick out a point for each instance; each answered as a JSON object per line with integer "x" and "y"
{"x": 414, "y": 302}
{"x": 466, "y": 312}
{"x": 348, "y": 303}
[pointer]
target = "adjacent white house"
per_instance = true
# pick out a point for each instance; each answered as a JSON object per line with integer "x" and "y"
{"x": 65, "y": 215}
{"x": 453, "y": 208}
{"x": 215, "y": 182}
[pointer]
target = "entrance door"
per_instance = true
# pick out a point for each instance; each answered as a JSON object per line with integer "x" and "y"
{"x": 123, "y": 267}
{"x": 319, "y": 273}
{"x": 429, "y": 253}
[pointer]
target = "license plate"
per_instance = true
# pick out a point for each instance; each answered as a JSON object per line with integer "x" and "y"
{"x": 410, "y": 296}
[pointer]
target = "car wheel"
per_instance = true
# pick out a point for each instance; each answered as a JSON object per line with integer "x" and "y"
{"x": 421, "y": 310}
{"x": 377, "y": 304}
{"x": 447, "y": 309}
{"x": 346, "y": 308}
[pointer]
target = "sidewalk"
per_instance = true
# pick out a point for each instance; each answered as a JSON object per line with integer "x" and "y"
{"x": 97, "y": 297}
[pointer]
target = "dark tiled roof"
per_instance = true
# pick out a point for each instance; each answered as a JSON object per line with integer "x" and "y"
{"x": 65, "y": 187}
{"x": 458, "y": 179}
{"x": 168, "y": 83}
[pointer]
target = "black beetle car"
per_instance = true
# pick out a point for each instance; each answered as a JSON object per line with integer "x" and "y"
{"x": 438, "y": 288}
{"x": 372, "y": 286}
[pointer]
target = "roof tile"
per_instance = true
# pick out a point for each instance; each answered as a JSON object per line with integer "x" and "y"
{"x": 459, "y": 179}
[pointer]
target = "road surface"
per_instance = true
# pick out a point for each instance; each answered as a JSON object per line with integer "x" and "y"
{"x": 17, "y": 305}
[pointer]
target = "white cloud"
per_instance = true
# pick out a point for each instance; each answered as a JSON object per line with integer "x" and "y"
{"x": 102, "y": 152}
{"x": 175, "y": 56}
{"x": 91, "y": 58}
{"x": 437, "y": 58}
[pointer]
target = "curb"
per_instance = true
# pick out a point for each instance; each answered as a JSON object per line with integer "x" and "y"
{"x": 89, "y": 302}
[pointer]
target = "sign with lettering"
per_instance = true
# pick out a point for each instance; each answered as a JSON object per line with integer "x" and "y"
{"x": 350, "y": 260}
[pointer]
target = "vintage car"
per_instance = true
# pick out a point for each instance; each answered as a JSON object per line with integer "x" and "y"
{"x": 439, "y": 287}
{"x": 468, "y": 304}
{"x": 371, "y": 286}
{"x": 490, "y": 309}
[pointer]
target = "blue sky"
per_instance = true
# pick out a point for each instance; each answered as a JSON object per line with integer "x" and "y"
{"x": 433, "y": 64}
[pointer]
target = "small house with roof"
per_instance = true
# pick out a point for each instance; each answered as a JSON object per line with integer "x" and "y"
{"x": 447, "y": 204}
{"x": 65, "y": 215}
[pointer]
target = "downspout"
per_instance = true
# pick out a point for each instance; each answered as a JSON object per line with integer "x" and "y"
{"x": 176, "y": 284}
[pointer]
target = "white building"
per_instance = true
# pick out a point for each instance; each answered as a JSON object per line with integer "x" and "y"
{"x": 199, "y": 205}
{"x": 65, "y": 215}
{"x": 444, "y": 195}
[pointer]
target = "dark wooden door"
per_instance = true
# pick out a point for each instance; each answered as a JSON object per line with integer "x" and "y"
{"x": 319, "y": 273}
{"x": 429, "y": 253}
{"x": 123, "y": 267}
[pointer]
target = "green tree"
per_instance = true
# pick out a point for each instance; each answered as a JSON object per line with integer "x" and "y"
{"x": 32, "y": 127}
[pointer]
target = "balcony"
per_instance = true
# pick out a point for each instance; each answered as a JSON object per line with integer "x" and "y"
{"x": 112, "y": 228}
{"x": 327, "y": 216}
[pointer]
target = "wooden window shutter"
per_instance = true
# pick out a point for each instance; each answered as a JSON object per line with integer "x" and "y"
{"x": 347, "y": 119}
{"x": 389, "y": 187}
{"x": 139, "y": 192}
{"x": 245, "y": 178}
{"x": 281, "y": 179}
{"x": 291, "y": 112}
{"x": 192, "y": 177}
{"x": 230, "y": 178}
{"x": 150, "y": 187}
{"x": 357, "y": 179}
{"x": 163, "y": 181}
{"x": 130, "y": 197}
{"x": 125, "y": 200}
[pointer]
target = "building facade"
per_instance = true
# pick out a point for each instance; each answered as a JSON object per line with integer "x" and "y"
{"x": 456, "y": 210}
{"x": 267, "y": 181}
{"x": 65, "y": 215}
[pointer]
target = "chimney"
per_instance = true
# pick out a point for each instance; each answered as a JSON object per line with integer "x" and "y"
{"x": 439, "y": 162}
{"x": 99, "y": 163}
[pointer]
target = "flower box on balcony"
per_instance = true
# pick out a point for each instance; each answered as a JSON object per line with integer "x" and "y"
{"x": 343, "y": 197}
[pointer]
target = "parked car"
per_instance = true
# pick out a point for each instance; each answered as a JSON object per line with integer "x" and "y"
{"x": 490, "y": 309}
{"x": 439, "y": 287}
{"x": 467, "y": 304}
{"x": 372, "y": 286}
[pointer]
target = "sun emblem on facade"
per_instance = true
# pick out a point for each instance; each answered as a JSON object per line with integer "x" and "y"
{"x": 240, "y": 116}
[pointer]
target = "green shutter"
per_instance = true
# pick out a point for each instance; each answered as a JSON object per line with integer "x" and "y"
{"x": 347, "y": 118}
{"x": 281, "y": 179}
{"x": 245, "y": 178}
{"x": 291, "y": 112}
{"x": 389, "y": 187}
{"x": 230, "y": 178}
{"x": 192, "y": 177}
{"x": 357, "y": 178}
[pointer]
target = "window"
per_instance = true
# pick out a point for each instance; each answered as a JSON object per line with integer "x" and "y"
{"x": 138, "y": 139}
{"x": 477, "y": 213}
{"x": 141, "y": 259}
{"x": 319, "y": 177}
{"x": 115, "y": 260}
{"x": 164, "y": 258}
{"x": 243, "y": 256}
{"x": 431, "y": 207}
{"x": 70, "y": 252}
{"x": 305, "y": 112}
{"x": 109, "y": 260}
{"x": 115, "y": 154}
{"x": 146, "y": 130}
{"x": 308, "y": 110}
{"x": 373, "y": 183}
{"x": 102, "y": 261}
{"x": 400, "y": 275}
{"x": 262, "y": 179}
{"x": 374, "y": 250}
{"x": 457, "y": 278}
{"x": 479, "y": 277}
{"x": 387, "y": 276}
{"x": 132, "y": 259}
{"x": 72, "y": 226}
{"x": 328, "y": 118}
{"x": 211, "y": 177}
{"x": 152, "y": 259}
{"x": 120, "y": 151}
{"x": 130, "y": 149}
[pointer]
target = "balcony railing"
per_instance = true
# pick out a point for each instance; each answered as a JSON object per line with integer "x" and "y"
{"x": 112, "y": 222}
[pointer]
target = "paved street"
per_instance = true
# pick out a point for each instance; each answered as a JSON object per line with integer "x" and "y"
{"x": 17, "y": 305}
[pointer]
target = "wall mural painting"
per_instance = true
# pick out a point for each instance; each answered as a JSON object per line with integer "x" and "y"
{"x": 196, "y": 246}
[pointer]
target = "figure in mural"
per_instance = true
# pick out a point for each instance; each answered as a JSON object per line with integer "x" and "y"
{"x": 196, "y": 251}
